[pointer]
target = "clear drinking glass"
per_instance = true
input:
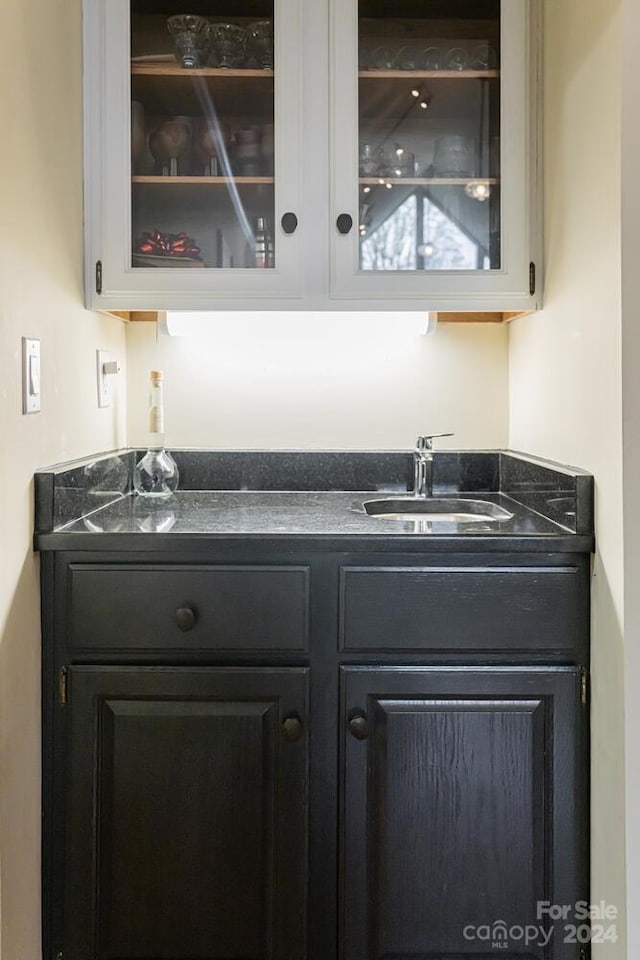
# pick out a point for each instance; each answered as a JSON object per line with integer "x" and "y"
{"x": 260, "y": 36}
{"x": 189, "y": 37}
{"x": 201, "y": 195}
{"x": 432, "y": 58}
{"x": 457, "y": 58}
{"x": 429, "y": 115}
{"x": 395, "y": 161}
{"x": 228, "y": 44}
{"x": 408, "y": 58}
{"x": 453, "y": 157}
{"x": 370, "y": 160}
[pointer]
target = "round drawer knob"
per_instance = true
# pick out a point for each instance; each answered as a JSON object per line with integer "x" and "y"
{"x": 359, "y": 726}
{"x": 292, "y": 728}
{"x": 185, "y": 618}
{"x": 344, "y": 223}
{"x": 289, "y": 223}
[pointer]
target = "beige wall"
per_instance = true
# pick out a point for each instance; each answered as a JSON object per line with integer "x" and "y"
{"x": 323, "y": 382}
{"x": 565, "y": 363}
{"x": 631, "y": 420}
{"x": 40, "y": 296}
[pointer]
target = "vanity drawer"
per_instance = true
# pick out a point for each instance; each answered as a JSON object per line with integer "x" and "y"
{"x": 462, "y": 609}
{"x": 180, "y": 607}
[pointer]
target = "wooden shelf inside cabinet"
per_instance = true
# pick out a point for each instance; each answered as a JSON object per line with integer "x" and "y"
{"x": 410, "y": 75}
{"x": 424, "y": 181}
{"x": 204, "y": 181}
{"x": 174, "y": 70}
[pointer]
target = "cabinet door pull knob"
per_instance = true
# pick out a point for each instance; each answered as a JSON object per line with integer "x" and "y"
{"x": 359, "y": 726}
{"x": 344, "y": 223}
{"x": 185, "y": 619}
{"x": 292, "y": 728}
{"x": 289, "y": 222}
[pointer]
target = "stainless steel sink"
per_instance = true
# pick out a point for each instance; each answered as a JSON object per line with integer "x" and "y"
{"x": 436, "y": 510}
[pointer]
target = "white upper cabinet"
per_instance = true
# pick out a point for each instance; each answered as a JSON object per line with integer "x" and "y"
{"x": 312, "y": 154}
{"x": 433, "y": 158}
{"x": 193, "y": 153}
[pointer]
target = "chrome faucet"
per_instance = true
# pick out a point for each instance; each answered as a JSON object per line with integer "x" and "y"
{"x": 423, "y": 464}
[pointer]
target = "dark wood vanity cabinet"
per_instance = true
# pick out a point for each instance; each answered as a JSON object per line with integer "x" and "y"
{"x": 186, "y": 814}
{"x": 459, "y": 798}
{"x": 217, "y": 788}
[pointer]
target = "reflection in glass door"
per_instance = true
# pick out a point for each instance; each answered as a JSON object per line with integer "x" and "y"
{"x": 202, "y": 134}
{"x": 429, "y": 135}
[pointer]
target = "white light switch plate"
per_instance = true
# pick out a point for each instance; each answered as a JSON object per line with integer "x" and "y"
{"x": 31, "y": 376}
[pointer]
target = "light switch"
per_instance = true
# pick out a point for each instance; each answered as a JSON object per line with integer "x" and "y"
{"x": 34, "y": 376}
{"x": 106, "y": 370}
{"x": 31, "y": 388}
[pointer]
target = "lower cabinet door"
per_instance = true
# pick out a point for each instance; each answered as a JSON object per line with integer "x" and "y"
{"x": 464, "y": 812}
{"x": 186, "y": 818}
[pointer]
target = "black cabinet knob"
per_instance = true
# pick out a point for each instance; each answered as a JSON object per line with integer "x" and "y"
{"x": 185, "y": 618}
{"x": 359, "y": 726}
{"x": 289, "y": 222}
{"x": 292, "y": 728}
{"x": 344, "y": 223}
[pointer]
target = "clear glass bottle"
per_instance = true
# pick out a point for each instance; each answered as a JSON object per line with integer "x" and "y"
{"x": 156, "y": 475}
{"x": 263, "y": 245}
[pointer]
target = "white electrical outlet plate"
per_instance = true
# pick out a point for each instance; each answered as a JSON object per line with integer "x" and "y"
{"x": 104, "y": 382}
{"x": 31, "y": 376}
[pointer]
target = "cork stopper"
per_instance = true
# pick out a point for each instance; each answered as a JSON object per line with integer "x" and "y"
{"x": 156, "y": 376}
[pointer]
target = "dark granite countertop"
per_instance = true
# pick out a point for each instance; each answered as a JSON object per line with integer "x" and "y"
{"x": 88, "y": 505}
{"x": 290, "y": 513}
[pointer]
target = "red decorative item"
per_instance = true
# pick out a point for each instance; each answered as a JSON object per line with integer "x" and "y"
{"x": 157, "y": 244}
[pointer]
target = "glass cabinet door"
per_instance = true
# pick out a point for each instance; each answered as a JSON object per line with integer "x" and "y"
{"x": 209, "y": 185}
{"x": 433, "y": 164}
{"x": 202, "y": 138}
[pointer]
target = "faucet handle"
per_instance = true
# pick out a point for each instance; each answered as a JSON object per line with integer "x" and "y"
{"x": 426, "y": 442}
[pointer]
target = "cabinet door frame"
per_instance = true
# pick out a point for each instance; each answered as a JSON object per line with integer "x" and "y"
{"x": 506, "y": 289}
{"x": 565, "y": 866}
{"x": 108, "y": 217}
{"x": 89, "y": 689}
